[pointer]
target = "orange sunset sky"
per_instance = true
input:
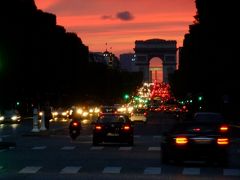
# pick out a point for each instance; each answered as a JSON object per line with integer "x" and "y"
{"x": 120, "y": 22}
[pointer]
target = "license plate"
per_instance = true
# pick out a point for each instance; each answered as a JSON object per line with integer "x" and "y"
{"x": 112, "y": 134}
{"x": 74, "y": 131}
{"x": 203, "y": 140}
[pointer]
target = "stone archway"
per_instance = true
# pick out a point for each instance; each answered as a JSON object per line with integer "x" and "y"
{"x": 163, "y": 49}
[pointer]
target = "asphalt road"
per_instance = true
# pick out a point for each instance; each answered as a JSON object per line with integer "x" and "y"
{"x": 53, "y": 155}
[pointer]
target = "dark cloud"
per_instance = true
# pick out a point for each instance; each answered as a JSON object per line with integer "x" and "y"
{"x": 125, "y": 16}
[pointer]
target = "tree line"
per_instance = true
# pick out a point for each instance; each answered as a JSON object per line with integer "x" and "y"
{"x": 40, "y": 61}
{"x": 209, "y": 56}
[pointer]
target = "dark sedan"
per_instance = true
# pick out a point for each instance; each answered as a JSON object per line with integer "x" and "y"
{"x": 205, "y": 138}
{"x": 113, "y": 128}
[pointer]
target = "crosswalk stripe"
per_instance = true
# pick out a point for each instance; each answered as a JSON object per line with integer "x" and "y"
{"x": 191, "y": 171}
{"x": 97, "y": 148}
{"x": 125, "y": 149}
{"x": 112, "y": 170}
{"x": 153, "y": 170}
{"x": 30, "y": 170}
{"x": 39, "y": 147}
{"x": 154, "y": 149}
{"x": 70, "y": 170}
{"x": 68, "y": 148}
{"x": 231, "y": 172}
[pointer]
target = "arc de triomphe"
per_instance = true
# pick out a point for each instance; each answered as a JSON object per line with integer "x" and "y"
{"x": 166, "y": 50}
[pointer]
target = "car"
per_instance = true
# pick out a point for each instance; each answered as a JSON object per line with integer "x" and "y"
{"x": 113, "y": 128}
{"x": 60, "y": 114}
{"x": 206, "y": 138}
{"x": 139, "y": 115}
{"x": 10, "y": 116}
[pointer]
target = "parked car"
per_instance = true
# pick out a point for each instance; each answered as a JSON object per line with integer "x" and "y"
{"x": 139, "y": 115}
{"x": 113, "y": 128}
{"x": 206, "y": 137}
{"x": 10, "y": 116}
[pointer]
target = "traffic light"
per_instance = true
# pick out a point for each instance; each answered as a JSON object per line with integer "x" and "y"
{"x": 18, "y": 103}
{"x": 126, "y": 96}
{"x": 200, "y": 98}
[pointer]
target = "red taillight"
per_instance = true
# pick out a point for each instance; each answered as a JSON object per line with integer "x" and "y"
{"x": 181, "y": 140}
{"x": 196, "y": 129}
{"x": 145, "y": 114}
{"x": 224, "y": 128}
{"x": 97, "y": 127}
{"x": 126, "y": 127}
{"x": 75, "y": 124}
{"x": 223, "y": 141}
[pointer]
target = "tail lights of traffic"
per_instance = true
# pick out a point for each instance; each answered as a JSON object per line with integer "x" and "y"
{"x": 222, "y": 141}
{"x": 126, "y": 127}
{"x": 181, "y": 140}
{"x": 224, "y": 128}
{"x": 98, "y": 127}
{"x": 75, "y": 124}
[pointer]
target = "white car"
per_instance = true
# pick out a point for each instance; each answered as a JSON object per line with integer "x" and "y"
{"x": 139, "y": 115}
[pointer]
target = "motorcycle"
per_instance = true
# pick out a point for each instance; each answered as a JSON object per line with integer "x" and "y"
{"x": 75, "y": 128}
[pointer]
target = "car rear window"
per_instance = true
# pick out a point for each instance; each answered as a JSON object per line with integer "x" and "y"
{"x": 139, "y": 111}
{"x": 112, "y": 119}
{"x": 108, "y": 110}
{"x": 194, "y": 128}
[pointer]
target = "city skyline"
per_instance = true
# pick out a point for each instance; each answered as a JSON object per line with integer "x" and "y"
{"x": 121, "y": 23}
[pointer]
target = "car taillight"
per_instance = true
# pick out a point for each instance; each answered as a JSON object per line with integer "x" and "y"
{"x": 75, "y": 124}
{"x": 181, "y": 140}
{"x": 126, "y": 127}
{"x": 196, "y": 129}
{"x": 98, "y": 127}
{"x": 224, "y": 128}
{"x": 223, "y": 141}
{"x": 145, "y": 114}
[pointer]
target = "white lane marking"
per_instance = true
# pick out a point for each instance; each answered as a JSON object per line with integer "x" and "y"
{"x": 30, "y": 170}
{"x": 191, "y": 171}
{"x": 39, "y": 147}
{"x": 112, "y": 170}
{"x": 125, "y": 149}
{"x": 2, "y": 150}
{"x": 97, "y": 148}
{"x": 12, "y": 147}
{"x": 231, "y": 172}
{"x": 154, "y": 149}
{"x": 70, "y": 170}
{"x": 68, "y": 148}
{"x": 153, "y": 170}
